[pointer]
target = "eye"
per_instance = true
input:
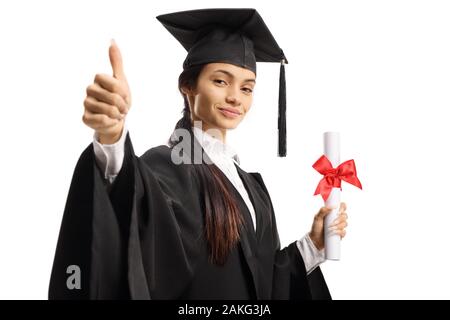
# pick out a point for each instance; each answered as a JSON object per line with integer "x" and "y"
{"x": 247, "y": 90}
{"x": 219, "y": 81}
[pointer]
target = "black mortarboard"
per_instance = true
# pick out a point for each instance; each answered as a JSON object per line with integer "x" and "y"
{"x": 236, "y": 36}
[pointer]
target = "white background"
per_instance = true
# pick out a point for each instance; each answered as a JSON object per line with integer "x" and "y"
{"x": 376, "y": 71}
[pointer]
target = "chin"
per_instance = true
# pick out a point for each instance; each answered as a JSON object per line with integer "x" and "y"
{"x": 232, "y": 124}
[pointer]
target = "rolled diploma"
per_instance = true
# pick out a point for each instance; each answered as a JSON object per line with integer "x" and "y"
{"x": 332, "y": 241}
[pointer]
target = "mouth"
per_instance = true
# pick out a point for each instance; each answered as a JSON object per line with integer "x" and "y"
{"x": 229, "y": 113}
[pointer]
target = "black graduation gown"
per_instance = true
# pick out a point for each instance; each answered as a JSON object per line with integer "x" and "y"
{"x": 143, "y": 238}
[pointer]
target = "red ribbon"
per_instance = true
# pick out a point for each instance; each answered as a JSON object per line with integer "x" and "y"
{"x": 333, "y": 176}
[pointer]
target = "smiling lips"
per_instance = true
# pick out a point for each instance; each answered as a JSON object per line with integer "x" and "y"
{"x": 230, "y": 113}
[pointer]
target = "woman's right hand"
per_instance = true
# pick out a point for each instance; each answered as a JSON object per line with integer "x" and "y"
{"x": 108, "y": 100}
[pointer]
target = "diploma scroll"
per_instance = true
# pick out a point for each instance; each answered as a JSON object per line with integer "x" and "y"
{"x": 332, "y": 241}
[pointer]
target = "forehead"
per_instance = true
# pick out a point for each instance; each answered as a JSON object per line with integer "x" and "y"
{"x": 236, "y": 71}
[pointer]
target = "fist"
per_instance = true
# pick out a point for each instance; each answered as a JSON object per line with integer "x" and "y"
{"x": 108, "y": 100}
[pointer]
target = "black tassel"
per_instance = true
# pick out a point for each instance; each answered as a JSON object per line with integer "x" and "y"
{"x": 282, "y": 113}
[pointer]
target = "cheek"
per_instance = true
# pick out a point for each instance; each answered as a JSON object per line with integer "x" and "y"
{"x": 213, "y": 94}
{"x": 205, "y": 100}
{"x": 248, "y": 104}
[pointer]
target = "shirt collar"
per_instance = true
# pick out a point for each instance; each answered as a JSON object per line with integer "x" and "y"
{"x": 213, "y": 147}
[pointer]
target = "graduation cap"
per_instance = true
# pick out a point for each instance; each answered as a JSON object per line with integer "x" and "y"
{"x": 235, "y": 36}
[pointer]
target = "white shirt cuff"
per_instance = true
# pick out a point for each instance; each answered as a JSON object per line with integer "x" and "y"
{"x": 109, "y": 157}
{"x": 311, "y": 256}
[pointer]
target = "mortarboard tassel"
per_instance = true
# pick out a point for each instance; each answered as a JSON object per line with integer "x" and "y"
{"x": 282, "y": 113}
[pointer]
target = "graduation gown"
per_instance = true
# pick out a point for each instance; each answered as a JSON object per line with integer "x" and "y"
{"x": 143, "y": 238}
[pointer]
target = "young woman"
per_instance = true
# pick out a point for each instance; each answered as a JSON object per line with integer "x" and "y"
{"x": 170, "y": 224}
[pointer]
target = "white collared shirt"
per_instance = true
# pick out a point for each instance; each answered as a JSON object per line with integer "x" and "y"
{"x": 110, "y": 159}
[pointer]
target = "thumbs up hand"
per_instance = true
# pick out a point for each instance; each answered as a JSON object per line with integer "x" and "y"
{"x": 108, "y": 100}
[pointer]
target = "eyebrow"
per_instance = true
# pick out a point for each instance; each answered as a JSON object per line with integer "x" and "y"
{"x": 232, "y": 76}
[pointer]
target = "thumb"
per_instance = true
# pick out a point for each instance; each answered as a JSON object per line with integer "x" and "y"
{"x": 115, "y": 58}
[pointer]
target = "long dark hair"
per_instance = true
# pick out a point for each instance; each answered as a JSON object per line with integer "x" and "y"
{"x": 222, "y": 217}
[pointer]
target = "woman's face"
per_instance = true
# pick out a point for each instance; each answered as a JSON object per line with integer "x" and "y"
{"x": 223, "y": 96}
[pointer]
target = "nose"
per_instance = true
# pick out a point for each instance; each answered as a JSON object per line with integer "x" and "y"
{"x": 233, "y": 97}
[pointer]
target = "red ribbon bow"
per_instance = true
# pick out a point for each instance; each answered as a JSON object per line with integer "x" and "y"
{"x": 333, "y": 176}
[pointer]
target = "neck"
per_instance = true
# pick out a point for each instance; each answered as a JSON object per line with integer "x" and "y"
{"x": 218, "y": 133}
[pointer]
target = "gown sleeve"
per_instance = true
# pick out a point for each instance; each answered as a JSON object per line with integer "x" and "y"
{"x": 108, "y": 232}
